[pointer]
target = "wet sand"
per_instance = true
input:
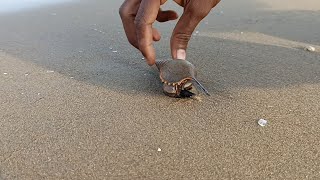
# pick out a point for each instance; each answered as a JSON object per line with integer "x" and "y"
{"x": 78, "y": 102}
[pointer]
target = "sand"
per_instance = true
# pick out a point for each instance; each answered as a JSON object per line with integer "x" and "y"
{"x": 73, "y": 108}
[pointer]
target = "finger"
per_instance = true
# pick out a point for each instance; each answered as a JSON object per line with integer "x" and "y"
{"x": 180, "y": 2}
{"x": 156, "y": 34}
{"x": 162, "y": 1}
{"x": 164, "y": 16}
{"x": 187, "y": 23}
{"x": 146, "y": 16}
{"x": 128, "y": 11}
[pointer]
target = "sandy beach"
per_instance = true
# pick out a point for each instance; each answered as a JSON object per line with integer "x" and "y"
{"x": 78, "y": 102}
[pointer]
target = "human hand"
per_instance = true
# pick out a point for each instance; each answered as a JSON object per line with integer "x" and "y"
{"x": 138, "y": 17}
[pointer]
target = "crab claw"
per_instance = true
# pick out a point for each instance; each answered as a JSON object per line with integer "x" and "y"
{"x": 170, "y": 91}
{"x": 173, "y": 91}
{"x": 186, "y": 94}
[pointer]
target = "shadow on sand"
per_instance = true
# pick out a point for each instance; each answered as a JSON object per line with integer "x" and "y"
{"x": 86, "y": 41}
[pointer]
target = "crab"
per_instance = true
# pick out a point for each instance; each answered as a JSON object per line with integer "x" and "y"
{"x": 178, "y": 78}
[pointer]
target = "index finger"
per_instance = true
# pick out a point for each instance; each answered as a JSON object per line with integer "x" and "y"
{"x": 146, "y": 16}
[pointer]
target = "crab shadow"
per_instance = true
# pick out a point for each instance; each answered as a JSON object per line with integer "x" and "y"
{"x": 79, "y": 44}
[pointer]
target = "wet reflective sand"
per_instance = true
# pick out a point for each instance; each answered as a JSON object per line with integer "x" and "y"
{"x": 7, "y": 6}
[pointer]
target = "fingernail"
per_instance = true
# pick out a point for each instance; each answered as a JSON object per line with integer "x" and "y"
{"x": 181, "y": 54}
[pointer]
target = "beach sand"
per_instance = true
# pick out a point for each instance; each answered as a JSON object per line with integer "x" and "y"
{"x": 78, "y": 102}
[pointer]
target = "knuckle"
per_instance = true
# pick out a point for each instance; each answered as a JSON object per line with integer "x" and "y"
{"x": 139, "y": 21}
{"x": 198, "y": 14}
{"x": 142, "y": 44}
{"x": 182, "y": 38}
{"x": 123, "y": 10}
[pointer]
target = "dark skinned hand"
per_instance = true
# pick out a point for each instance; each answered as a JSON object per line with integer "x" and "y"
{"x": 138, "y": 17}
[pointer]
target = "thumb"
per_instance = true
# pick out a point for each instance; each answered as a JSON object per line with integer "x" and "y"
{"x": 184, "y": 29}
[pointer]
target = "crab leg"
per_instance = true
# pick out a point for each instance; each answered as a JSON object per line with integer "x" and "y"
{"x": 201, "y": 87}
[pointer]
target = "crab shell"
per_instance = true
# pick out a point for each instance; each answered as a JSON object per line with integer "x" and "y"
{"x": 176, "y": 75}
